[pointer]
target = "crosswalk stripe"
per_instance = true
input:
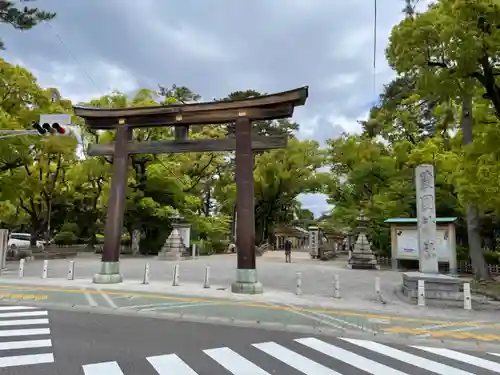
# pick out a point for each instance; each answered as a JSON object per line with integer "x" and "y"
{"x": 295, "y": 360}
{"x": 104, "y": 368}
{"x": 9, "y": 308}
{"x": 496, "y": 354}
{"x": 348, "y": 357}
{"x": 234, "y": 363}
{"x": 23, "y": 314}
{"x": 25, "y": 344}
{"x": 462, "y": 357}
{"x": 26, "y": 322}
{"x": 169, "y": 364}
{"x": 414, "y": 360}
{"x": 23, "y": 360}
{"x": 24, "y": 332}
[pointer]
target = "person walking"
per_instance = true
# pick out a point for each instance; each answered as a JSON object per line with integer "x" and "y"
{"x": 288, "y": 251}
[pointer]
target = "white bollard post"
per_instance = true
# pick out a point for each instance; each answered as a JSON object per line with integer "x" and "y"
{"x": 206, "y": 281}
{"x": 336, "y": 288}
{"x": 421, "y": 293}
{"x": 298, "y": 278}
{"x": 378, "y": 293}
{"x": 175, "y": 278}
{"x": 71, "y": 270}
{"x": 467, "y": 297}
{"x": 193, "y": 250}
{"x": 146, "y": 274}
{"x": 45, "y": 271}
{"x": 21, "y": 268}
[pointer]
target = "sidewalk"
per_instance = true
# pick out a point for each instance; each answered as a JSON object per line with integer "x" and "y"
{"x": 273, "y": 308}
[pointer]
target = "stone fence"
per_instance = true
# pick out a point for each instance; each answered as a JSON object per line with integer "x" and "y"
{"x": 463, "y": 267}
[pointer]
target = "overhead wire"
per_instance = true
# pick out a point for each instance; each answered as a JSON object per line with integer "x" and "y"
{"x": 73, "y": 57}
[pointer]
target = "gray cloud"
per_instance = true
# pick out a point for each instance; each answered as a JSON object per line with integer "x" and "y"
{"x": 215, "y": 47}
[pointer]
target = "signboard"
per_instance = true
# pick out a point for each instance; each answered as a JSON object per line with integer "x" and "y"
{"x": 407, "y": 244}
{"x": 313, "y": 242}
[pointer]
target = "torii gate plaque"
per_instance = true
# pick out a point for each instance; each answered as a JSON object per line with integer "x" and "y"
{"x": 242, "y": 112}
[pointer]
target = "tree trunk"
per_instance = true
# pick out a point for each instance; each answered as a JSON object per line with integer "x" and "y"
{"x": 34, "y": 231}
{"x": 473, "y": 220}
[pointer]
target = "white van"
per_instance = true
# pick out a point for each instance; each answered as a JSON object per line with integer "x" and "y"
{"x": 21, "y": 241}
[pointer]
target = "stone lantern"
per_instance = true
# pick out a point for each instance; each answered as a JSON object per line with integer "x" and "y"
{"x": 175, "y": 244}
{"x": 362, "y": 256}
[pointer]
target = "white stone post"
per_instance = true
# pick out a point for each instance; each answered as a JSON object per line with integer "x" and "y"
{"x": 378, "y": 293}
{"x": 336, "y": 286}
{"x": 298, "y": 287}
{"x": 467, "y": 297}
{"x": 193, "y": 250}
{"x": 426, "y": 219}
{"x": 147, "y": 271}
{"x": 45, "y": 270}
{"x": 206, "y": 279}
{"x": 71, "y": 270}
{"x": 421, "y": 293}
{"x": 21, "y": 268}
{"x": 175, "y": 278}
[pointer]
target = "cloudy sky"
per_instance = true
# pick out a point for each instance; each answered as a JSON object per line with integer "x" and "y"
{"x": 216, "y": 47}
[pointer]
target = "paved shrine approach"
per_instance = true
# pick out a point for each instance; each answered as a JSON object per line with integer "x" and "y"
{"x": 181, "y": 117}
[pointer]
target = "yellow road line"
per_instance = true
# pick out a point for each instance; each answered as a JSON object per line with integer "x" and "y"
{"x": 17, "y": 296}
{"x": 251, "y": 304}
{"x": 443, "y": 334}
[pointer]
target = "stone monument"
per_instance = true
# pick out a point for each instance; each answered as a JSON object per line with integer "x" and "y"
{"x": 313, "y": 241}
{"x": 362, "y": 256}
{"x": 437, "y": 286}
{"x": 173, "y": 247}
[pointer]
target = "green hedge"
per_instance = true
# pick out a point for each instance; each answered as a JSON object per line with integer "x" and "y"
{"x": 65, "y": 238}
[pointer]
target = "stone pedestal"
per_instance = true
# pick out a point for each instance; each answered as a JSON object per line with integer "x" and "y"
{"x": 362, "y": 256}
{"x": 173, "y": 247}
{"x": 109, "y": 274}
{"x": 437, "y": 286}
{"x": 247, "y": 282}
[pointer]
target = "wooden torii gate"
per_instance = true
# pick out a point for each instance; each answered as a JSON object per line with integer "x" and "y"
{"x": 240, "y": 112}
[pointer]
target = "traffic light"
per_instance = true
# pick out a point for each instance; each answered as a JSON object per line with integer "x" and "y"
{"x": 39, "y": 129}
{"x": 53, "y": 124}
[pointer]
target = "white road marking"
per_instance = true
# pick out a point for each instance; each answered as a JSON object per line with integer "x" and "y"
{"x": 312, "y": 317}
{"x": 193, "y": 304}
{"x": 297, "y": 361}
{"x": 108, "y": 300}
{"x": 412, "y": 359}
{"x": 233, "y": 362}
{"x": 9, "y": 345}
{"x": 462, "y": 357}
{"x": 24, "y": 332}
{"x": 25, "y": 322}
{"x": 105, "y": 368}
{"x": 23, "y": 314}
{"x": 91, "y": 301}
{"x": 349, "y": 357}
{"x": 23, "y": 360}
{"x": 342, "y": 321}
{"x": 495, "y": 354}
{"x": 449, "y": 325}
{"x": 9, "y": 308}
{"x": 168, "y": 364}
{"x": 139, "y": 307}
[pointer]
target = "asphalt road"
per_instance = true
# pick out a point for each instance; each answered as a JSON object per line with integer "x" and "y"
{"x": 76, "y": 343}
